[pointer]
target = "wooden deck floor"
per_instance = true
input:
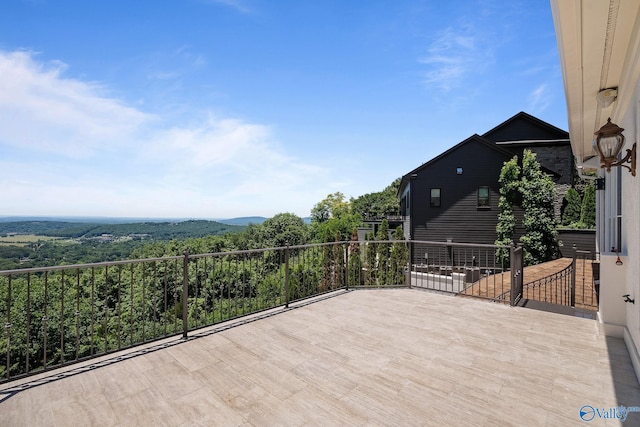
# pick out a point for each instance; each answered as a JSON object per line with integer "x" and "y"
{"x": 368, "y": 357}
{"x": 586, "y": 297}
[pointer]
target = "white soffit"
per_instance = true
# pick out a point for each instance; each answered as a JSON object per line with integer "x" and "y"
{"x": 594, "y": 38}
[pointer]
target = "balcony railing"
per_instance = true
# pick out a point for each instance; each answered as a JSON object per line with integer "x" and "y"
{"x": 576, "y": 285}
{"x": 58, "y": 315}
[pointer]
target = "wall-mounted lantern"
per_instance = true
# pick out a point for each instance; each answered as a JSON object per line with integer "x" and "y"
{"x": 608, "y": 144}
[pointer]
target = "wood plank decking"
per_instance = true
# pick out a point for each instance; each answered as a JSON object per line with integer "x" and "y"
{"x": 586, "y": 298}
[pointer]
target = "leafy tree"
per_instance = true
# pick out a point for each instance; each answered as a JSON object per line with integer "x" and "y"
{"x": 378, "y": 205}
{"x": 332, "y": 266}
{"x": 384, "y": 252}
{"x": 355, "y": 276}
{"x": 371, "y": 261}
{"x": 535, "y": 192}
{"x": 509, "y": 196}
{"x": 588, "y": 208}
{"x": 399, "y": 257}
{"x": 283, "y": 229}
{"x": 332, "y": 206}
{"x": 573, "y": 206}
{"x": 538, "y": 196}
{"x": 333, "y": 216}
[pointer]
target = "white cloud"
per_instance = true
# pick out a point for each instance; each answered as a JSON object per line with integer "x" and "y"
{"x": 454, "y": 54}
{"x": 213, "y": 142}
{"x": 540, "y": 99}
{"x": 41, "y": 110}
{"x": 53, "y": 131}
{"x": 463, "y": 53}
{"x": 239, "y": 5}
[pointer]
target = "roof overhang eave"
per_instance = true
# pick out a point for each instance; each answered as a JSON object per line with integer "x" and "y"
{"x": 596, "y": 42}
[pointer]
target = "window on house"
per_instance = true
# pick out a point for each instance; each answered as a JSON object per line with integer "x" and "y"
{"x": 613, "y": 211}
{"x": 483, "y": 197}
{"x": 435, "y": 198}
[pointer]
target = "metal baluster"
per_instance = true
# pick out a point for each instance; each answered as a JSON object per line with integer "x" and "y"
{"x": 252, "y": 288}
{"x": 131, "y": 341}
{"x": 77, "y": 313}
{"x": 45, "y": 318}
{"x": 286, "y": 276}
{"x": 62, "y": 318}
{"x": 155, "y": 302}
{"x": 7, "y": 327}
{"x": 166, "y": 297}
{"x": 119, "y": 303}
{"x": 28, "y": 322}
{"x": 205, "y": 277}
{"x": 307, "y": 261}
{"x": 144, "y": 303}
{"x": 185, "y": 293}
{"x": 237, "y": 294}
{"x": 229, "y": 283}
{"x": 214, "y": 291}
{"x": 105, "y": 319}
{"x": 92, "y": 341}
{"x": 197, "y": 306}
{"x": 220, "y": 287}
{"x": 175, "y": 295}
{"x": 246, "y": 283}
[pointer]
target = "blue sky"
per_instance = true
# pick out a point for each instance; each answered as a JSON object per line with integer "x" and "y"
{"x": 225, "y": 108}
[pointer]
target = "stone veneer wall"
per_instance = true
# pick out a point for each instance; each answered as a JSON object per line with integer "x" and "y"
{"x": 561, "y": 191}
{"x": 558, "y": 159}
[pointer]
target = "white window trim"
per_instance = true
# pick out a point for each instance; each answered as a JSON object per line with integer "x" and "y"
{"x": 613, "y": 212}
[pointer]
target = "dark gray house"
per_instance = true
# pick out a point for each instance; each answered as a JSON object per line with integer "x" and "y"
{"x": 454, "y": 196}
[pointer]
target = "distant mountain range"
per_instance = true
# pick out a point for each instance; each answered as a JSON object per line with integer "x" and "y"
{"x": 87, "y": 219}
{"x": 87, "y": 230}
{"x": 243, "y": 221}
{"x": 127, "y": 220}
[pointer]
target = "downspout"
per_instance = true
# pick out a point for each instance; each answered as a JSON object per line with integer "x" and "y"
{"x": 581, "y": 174}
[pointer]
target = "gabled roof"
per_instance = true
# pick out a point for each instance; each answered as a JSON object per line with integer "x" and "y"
{"x": 474, "y": 138}
{"x": 525, "y": 127}
{"x": 482, "y": 140}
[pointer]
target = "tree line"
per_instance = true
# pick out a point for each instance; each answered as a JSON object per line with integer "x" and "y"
{"x": 155, "y": 230}
{"x": 332, "y": 217}
{"x": 64, "y": 315}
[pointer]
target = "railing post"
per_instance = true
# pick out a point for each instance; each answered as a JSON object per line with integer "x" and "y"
{"x": 7, "y": 327}
{"x": 408, "y": 275}
{"x": 185, "y": 293}
{"x": 573, "y": 277}
{"x": 286, "y": 276}
{"x": 347, "y": 270}
{"x": 516, "y": 266}
{"x": 512, "y": 267}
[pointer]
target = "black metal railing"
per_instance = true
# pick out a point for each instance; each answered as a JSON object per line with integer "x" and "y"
{"x": 576, "y": 285}
{"x": 460, "y": 268}
{"x": 556, "y": 288}
{"x": 58, "y": 315}
{"x": 517, "y": 275}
